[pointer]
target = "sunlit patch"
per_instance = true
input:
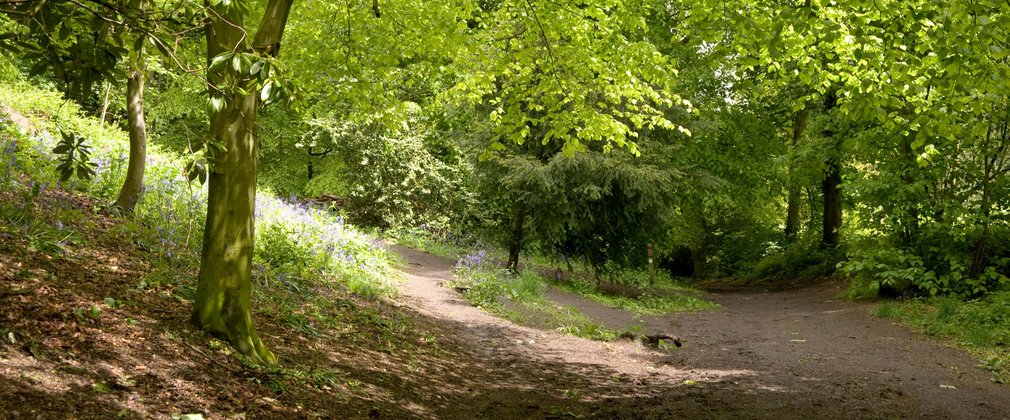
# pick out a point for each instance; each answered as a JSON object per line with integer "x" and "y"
{"x": 771, "y": 388}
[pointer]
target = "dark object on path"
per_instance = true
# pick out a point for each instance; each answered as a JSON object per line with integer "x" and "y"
{"x": 653, "y": 339}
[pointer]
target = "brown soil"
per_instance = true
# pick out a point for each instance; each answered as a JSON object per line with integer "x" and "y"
{"x": 428, "y": 354}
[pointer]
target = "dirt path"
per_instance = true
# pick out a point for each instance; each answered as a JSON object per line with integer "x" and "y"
{"x": 791, "y": 354}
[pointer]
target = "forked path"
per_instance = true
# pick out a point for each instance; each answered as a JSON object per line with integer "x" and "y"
{"x": 792, "y": 354}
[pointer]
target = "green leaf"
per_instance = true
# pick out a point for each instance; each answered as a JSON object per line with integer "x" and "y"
{"x": 217, "y": 103}
{"x": 265, "y": 91}
{"x": 138, "y": 45}
{"x": 38, "y": 68}
{"x": 83, "y": 172}
{"x": 161, "y": 47}
{"x": 218, "y": 61}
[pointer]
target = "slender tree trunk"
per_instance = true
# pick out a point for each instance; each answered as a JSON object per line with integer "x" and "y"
{"x": 812, "y": 222}
{"x": 793, "y": 199}
{"x": 129, "y": 194}
{"x": 222, "y": 304}
{"x": 832, "y": 204}
{"x": 516, "y": 241}
{"x": 978, "y": 261}
{"x": 910, "y": 230}
{"x": 105, "y": 105}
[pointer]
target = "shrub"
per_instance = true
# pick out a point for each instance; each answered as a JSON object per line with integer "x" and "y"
{"x": 803, "y": 260}
{"x": 488, "y": 285}
{"x": 880, "y": 268}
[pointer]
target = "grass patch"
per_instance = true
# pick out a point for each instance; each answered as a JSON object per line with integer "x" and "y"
{"x": 544, "y": 314}
{"x": 420, "y": 241}
{"x": 665, "y": 297}
{"x": 520, "y": 298}
{"x": 982, "y": 327}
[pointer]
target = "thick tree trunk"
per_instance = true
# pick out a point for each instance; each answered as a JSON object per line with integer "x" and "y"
{"x": 516, "y": 240}
{"x": 793, "y": 199}
{"x": 699, "y": 258}
{"x": 129, "y": 194}
{"x": 223, "y": 294}
{"x": 222, "y": 304}
{"x": 832, "y": 220}
{"x": 832, "y": 204}
{"x": 792, "y": 213}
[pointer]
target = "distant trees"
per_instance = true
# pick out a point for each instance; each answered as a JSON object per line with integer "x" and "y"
{"x": 905, "y": 102}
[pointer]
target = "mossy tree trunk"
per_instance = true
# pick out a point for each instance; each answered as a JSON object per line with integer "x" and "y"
{"x": 223, "y": 305}
{"x": 129, "y": 194}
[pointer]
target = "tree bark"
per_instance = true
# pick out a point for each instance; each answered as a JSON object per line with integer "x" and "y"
{"x": 105, "y": 105}
{"x": 812, "y": 222}
{"x": 699, "y": 258}
{"x": 222, "y": 304}
{"x": 832, "y": 203}
{"x": 910, "y": 231}
{"x": 129, "y": 194}
{"x": 832, "y": 179}
{"x": 980, "y": 256}
{"x": 516, "y": 241}
{"x": 793, "y": 199}
{"x": 978, "y": 260}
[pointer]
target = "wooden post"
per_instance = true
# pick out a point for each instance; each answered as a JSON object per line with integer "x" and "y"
{"x": 652, "y": 266}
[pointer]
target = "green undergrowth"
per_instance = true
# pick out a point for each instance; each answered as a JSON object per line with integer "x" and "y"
{"x": 520, "y": 298}
{"x": 441, "y": 242}
{"x": 298, "y": 249}
{"x": 666, "y": 296}
{"x": 416, "y": 239}
{"x": 981, "y": 326}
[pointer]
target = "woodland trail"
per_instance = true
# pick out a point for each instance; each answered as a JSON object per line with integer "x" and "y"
{"x": 789, "y": 354}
